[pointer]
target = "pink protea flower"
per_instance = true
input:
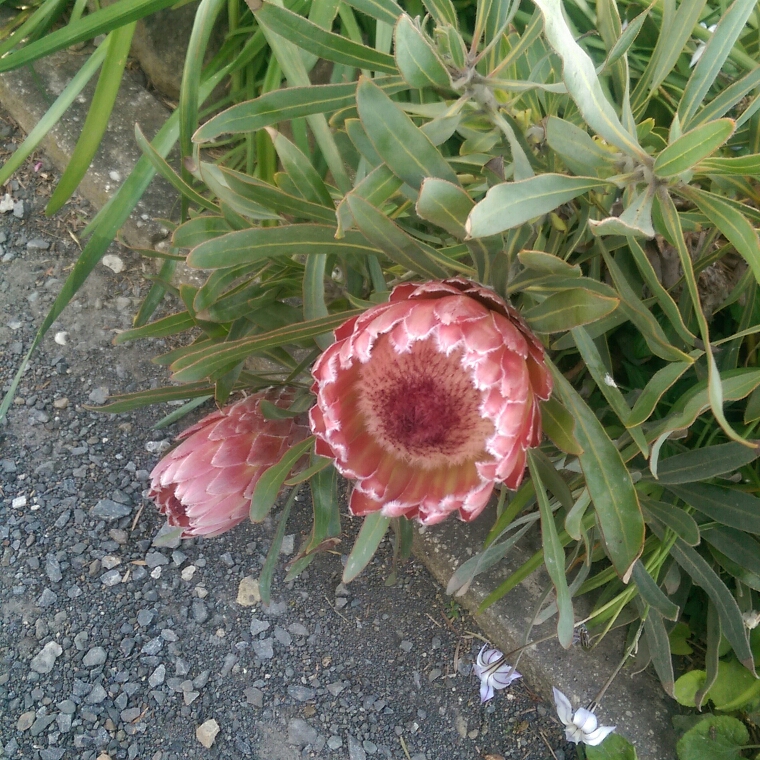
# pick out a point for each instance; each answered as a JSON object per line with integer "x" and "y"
{"x": 204, "y": 486}
{"x": 428, "y": 400}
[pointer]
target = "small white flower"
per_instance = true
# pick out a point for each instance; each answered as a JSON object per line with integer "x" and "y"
{"x": 609, "y": 380}
{"x": 493, "y": 671}
{"x": 580, "y": 726}
{"x": 751, "y": 619}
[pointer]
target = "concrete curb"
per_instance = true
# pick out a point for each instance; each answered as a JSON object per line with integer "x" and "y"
{"x": 637, "y": 705}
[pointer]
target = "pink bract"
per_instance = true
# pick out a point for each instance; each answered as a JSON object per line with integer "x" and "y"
{"x": 204, "y": 485}
{"x": 430, "y": 399}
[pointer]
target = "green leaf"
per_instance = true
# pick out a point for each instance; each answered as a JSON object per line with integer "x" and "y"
{"x": 659, "y": 648}
{"x": 116, "y": 16}
{"x": 675, "y": 518}
{"x": 559, "y": 426}
{"x": 548, "y": 263}
{"x": 705, "y": 463}
{"x": 406, "y": 150}
{"x": 128, "y": 401}
{"x": 740, "y": 233}
{"x": 444, "y": 204}
{"x": 569, "y": 308}
{"x": 199, "y": 230}
{"x": 679, "y": 636}
{"x": 728, "y": 506}
{"x": 201, "y": 362}
{"x": 171, "y": 325}
{"x": 742, "y": 166}
{"x": 267, "y": 571}
{"x": 635, "y": 221}
{"x": 554, "y": 558}
{"x": 416, "y": 58}
{"x": 692, "y": 147}
{"x": 382, "y": 10}
{"x": 712, "y": 655}
{"x": 579, "y": 74}
{"x": 512, "y": 204}
{"x": 314, "y": 305}
{"x": 397, "y": 245}
{"x": 216, "y": 181}
{"x": 614, "y": 747}
{"x": 286, "y": 104}
{"x": 734, "y": 687}
{"x": 270, "y": 483}
{"x": 299, "y": 168}
{"x": 576, "y": 147}
{"x": 658, "y": 385}
{"x": 652, "y": 594}
{"x": 608, "y": 481}
{"x": 730, "y": 615}
{"x": 97, "y": 116}
{"x": 248, "y": 246}
{"x": 332, "y": 47}
{"x": 373, "y": 529}
{"x": 736, "y": 544}
{"x": 718, "y": 737}
{"x": 442, "y": 11}
{"x": 687, "y": 686}
{"x": 717, "y": 50}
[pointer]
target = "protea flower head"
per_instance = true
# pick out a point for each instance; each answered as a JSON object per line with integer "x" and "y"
{"x": 429, "y": 400}
{"x": 204, "y": 485}
{"x": 493, "y": 671}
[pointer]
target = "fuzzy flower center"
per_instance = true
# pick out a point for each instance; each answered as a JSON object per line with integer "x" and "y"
{"x": 422, "y": 405}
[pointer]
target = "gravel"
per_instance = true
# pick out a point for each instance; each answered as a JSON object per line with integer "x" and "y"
{"x": 113, "y": 645}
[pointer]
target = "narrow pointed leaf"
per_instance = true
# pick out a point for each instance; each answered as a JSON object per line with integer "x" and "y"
{"x": 651, "y": 593}
{"x": 728, "y": 506}
{"x": 654, "y": 390}
{"x": 659, "y": 648}
{"x": 569, "y": 308}
{"x": 675, "y": 518}
{"x": 559, "y": 426}
{"x": 705, "y": 463}
{"x": 416, "y": 58}
{"x": 382, "y": 10}
{"x": 511, "y": 204}
{"x": 445, "y": 204}
{"x": 372, "y": 532}
{"x": 609, "y": 483}
{"x": 737, "y": 545}
{"x": 199, "y": 230}
{"x": 689, "y": 149}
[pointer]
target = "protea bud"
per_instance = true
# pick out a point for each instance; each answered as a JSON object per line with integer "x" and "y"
{"x": 428, "y": 400}
{"x": 204, "y": 485}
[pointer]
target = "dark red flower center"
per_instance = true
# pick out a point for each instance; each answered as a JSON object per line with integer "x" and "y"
{"x": 422, "y": 405}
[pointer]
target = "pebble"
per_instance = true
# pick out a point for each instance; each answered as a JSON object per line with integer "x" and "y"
{"x": 300, "y": 733}
{"x": 248, "y": 592}
{"x": 157, "y": 676}
{"x": 47, "y": 598}
{"x": 94, "y": 657}
{"x": 206, "y": 733}
{"x": 199, "y": 611}
{"x": 111, "y": 578}
{"x": 108, "y": 509}
{"x": 254, "y": 696}
{"x": 44, "y": 660}
{"x": 263, "y": 649}
{"x": 301, "y": 693}
{"x": 355, "y": 750}
{"x": 113, "y": 262}
{"x": 37, "y": 244}
{"x": 25, "y": 721}
{"x": 98, "y": 395}
{"x": 259, "y": 626}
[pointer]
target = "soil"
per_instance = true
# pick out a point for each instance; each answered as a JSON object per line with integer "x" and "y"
{"x": 114, "y": 647}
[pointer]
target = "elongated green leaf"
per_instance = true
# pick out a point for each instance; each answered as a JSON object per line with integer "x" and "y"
{"x": 558, "y": 424}
{"x": 642, "y": 317}
{"x": 272, "y": 197}
{"x": 379, "y": 185}
{"x": 730, "y": 615}
{"x": 581, "y": 154}
{"x": 735, "y": 544}
{"x": 717, "y": 50}
{"x": 547, "y": 263}
{"x": 53, "y": 114}
{"x": 372, "y": 532}
{"x": 445, "y": 204}
{"x": 675, "y": 518}
{"x": 743, "y": 166}
{"x": 394, "y": 242}
{"x": 608, "y": 481}
{"x": 324, "y": 491}
{"x": 442, "y": 11}
{"x": 286, "y": 104}
{"x": 742, "y": 235}
{"x": 267, "y": 489}
{"x": 97, "y": 116}
{"x": 651, "y": 592}
{"x": 216, "y": 181}
{"x": 116, "y": 16}
{"x": 636, "y": 219}
{"x": 382, "y": 10}
{"x": 267, "y": 570}
{"x": 712, "y": 656}
{"x": 162, "y": 167}
{"x": 314, "y": 305}
{"x": 128, "y": 401}
{"x": 659, "y": 645}
{"x": 579, "y": 75}
{"x": 172, "y": 325}
{"x": 689, "y": 149}
{"x": 511, "y": 204}
{"x": 728, "y": 506}
{"x": 728, "y": 98}
{"x": 247, "y": 246}
{"x": 554, "y": 558}
{"x": 416, "y": 58}
{"x": 654, "y": 390}
{"x": 570, "y": 308}
{"x": 332, "y": 47}
{"x": 299, "y": 168}
{"x": 705, "y": 463}
{"x": 198, "y": 363}
{"x": 199, "y": 230}
{"x": 406, "y": 150}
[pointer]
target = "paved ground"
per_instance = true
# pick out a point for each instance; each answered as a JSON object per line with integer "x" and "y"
{"x": 113, "y": 648}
